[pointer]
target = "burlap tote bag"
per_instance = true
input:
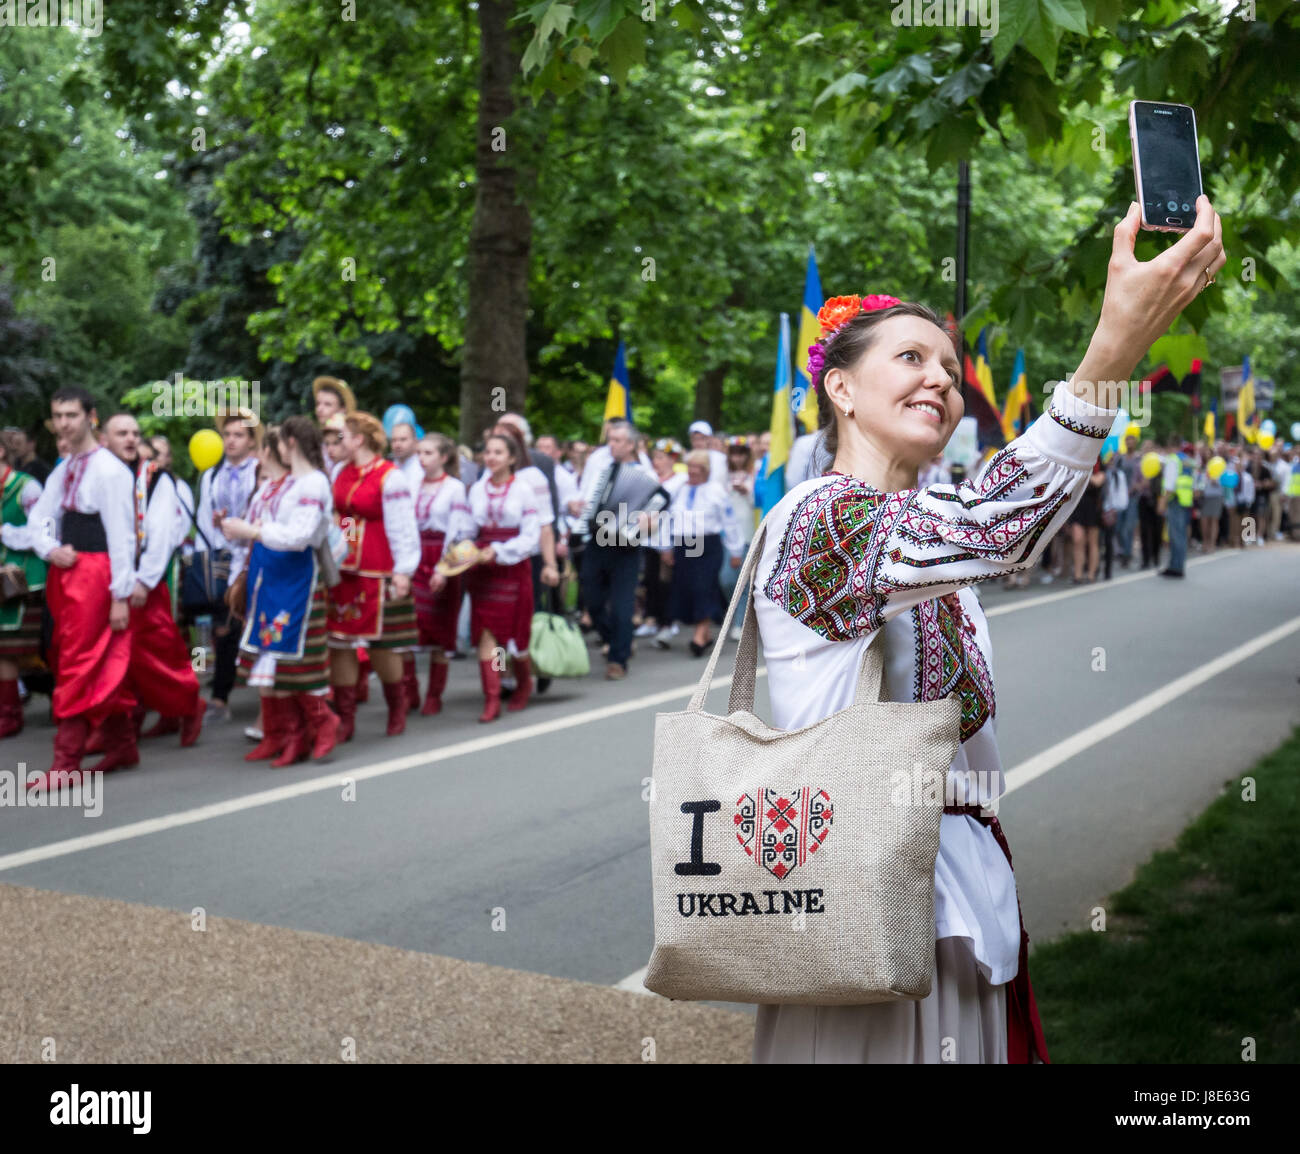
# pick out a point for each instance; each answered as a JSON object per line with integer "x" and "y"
{"x": 789, "y": 866}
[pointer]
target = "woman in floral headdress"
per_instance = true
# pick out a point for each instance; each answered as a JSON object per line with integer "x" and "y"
{"x": 862, "y": 552}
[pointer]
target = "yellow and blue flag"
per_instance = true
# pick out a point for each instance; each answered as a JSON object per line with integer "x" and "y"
{"x": 809, "y": 333}
{"x": 1017, "y": 413}
{"x": 1209, "y": 422}
{"x": 1246, "y": 403}
{"x": 984, "y": 370}
{"x": 618, "y": 402}
{"x": 778, "y": 452}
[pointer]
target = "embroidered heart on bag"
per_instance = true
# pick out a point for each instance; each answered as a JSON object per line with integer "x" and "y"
{"x": 781, "y": 829}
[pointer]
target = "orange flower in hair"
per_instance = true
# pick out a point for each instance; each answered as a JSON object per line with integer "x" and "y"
{"x": 838, "y": 311}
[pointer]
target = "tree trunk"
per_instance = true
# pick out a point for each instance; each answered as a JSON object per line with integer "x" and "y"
{"x": 494, "y": 367}
{"x": 708, "y": 394}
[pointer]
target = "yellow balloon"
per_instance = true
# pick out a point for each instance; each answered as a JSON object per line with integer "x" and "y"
{"x": 1214, "y": 467}
{"x": 206, "y": 449}
{"x": 1151, "y": 464}
{"x": 1266, "y": 440}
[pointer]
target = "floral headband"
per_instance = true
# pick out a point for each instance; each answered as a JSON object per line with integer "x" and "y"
{"x": 833, "y": 316}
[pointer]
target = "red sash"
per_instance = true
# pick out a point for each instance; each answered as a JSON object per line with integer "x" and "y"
{"x": 1024, "y": 1031}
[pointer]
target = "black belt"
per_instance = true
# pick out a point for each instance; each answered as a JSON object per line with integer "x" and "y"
{"x": 84, "y": 532}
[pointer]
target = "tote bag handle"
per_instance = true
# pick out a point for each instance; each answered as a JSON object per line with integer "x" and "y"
{"x": 745, "y": 668}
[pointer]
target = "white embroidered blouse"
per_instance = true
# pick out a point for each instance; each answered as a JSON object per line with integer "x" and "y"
{"x": 442, "y": 506}
{"x": 842, "y": 560}
{"x": 295, "y": 514}
{"x": 512, "y": 505}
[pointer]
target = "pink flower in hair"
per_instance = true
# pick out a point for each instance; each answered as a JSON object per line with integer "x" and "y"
{"x": 878, "y": 301}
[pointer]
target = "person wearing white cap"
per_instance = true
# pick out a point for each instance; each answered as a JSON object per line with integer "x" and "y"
{"x": 700, "y": 432}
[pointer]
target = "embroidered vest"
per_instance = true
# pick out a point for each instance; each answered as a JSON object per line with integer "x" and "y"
{"x": 359, "y": 501}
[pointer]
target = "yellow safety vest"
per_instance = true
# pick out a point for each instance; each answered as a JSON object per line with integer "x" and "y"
{"x": 1293, "y": 482}
{"x": 1183, "y": 486}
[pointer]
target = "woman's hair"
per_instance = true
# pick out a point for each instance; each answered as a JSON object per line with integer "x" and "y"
{"x": 271, "y": 441}
{"x": 307, "y": 438}
{"x": 447, "y": 447}
{"x": 698, "y": 457}
{"x": 367, "y": 426}
{"x": 513, "y": 445}
{"x": 848, "y": 346}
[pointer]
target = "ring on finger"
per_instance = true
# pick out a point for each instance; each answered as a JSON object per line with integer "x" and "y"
{"x": 1209, "y": 280}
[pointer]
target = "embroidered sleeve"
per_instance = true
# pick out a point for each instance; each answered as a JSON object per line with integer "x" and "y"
{"x": 525, "y": 543}
{"x": 852, "y": 557}
{"x": 159, "y": 534}
{"x": 460, "y": 518}
{"x": 399, "y": 523}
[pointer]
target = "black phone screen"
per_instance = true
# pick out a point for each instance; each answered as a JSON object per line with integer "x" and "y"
{"x": 1171, "y": 172}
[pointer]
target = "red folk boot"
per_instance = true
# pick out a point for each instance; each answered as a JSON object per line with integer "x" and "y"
{"x": 397, "y": 695}
{"x": 491, "y": 679}
{"x": 118, "y": 732}
{"x": 524, "y": 686}
{"x": 11, "y": 709}
{"x": 322, "y": 725}
{"x": 297, "y": 743}
{"x": 437, "y": 683}
{"x": 69, "y": 746}
{"x": 411, "y": 680}
{"x": 345, "y": 705}
{"x": 274, "y": 737}
{"x": 192, "y": 726}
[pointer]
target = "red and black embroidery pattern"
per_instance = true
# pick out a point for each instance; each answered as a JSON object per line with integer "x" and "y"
{"x": 948, "y": 658}
{"x": 780, "y": 829}
{"x": 828, "y": 573}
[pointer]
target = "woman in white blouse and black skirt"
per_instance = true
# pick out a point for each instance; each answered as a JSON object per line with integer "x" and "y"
{"x": 863, "y": 549}
{"x": 702, "y": 532}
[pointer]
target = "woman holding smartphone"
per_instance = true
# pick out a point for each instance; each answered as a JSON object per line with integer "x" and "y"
{"x": 863, "y": 548}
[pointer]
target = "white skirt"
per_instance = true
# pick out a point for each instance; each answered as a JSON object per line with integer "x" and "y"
{"x": 964, "y": 1019}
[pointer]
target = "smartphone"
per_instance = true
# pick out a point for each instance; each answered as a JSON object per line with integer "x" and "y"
{"x": 1166, "y": 165}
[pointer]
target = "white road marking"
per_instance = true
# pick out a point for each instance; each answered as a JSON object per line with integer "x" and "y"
{"x": 1107, "y": 727}
{"x": 635, "y": 983}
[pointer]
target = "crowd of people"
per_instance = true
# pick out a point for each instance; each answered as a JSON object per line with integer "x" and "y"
{"x": 333, "y": 546}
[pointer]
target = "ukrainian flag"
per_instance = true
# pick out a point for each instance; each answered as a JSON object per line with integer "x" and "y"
{"x": 1246, "y": 402}
{"x": 619, "y": 401}
{"x": 809, "y": 333}
{"x": 778, "y": 452}
{"x": 984, "y": 371}
{"x": 1014, "y": 415}
{"x": 1209, "y": 422}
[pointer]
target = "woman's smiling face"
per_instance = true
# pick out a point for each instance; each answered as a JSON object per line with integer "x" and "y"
{"x": 904, "y": 392}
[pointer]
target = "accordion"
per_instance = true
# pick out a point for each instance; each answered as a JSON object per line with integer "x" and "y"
{"x": 611, "y": 516}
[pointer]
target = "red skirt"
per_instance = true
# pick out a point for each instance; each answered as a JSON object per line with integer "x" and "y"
{"x": 501, "y": 596}
{"x": 160, "y": 673}
{"x": 435, "y": 613}
{"x": 90, "y": 660}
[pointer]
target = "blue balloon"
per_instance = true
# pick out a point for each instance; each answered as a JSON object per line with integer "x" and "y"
{"x": 1229, "y": 480}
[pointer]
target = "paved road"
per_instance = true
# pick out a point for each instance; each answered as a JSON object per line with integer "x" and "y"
{"x": 536, "y": 823}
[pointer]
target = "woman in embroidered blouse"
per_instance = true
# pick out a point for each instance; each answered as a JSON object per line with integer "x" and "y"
{"x": 283, "y": 646}
{"x": 20, "y": 617}
{"x": 701, "y": 526}
{"x": 372, "y": 604}
{"x": 442, "y": 513}
{"x": 500, "y": 584}
{"x": 862, "y": 552}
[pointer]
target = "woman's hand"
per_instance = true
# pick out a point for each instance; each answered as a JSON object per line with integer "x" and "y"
{"x": 550, "y": 575}
{"x": 486, "y": 555}
{"x": 237, "y": 529}
{"x": 437, "y": 582}
{"x": 400, "y": 583}
{"x": 1144, "y": 297}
